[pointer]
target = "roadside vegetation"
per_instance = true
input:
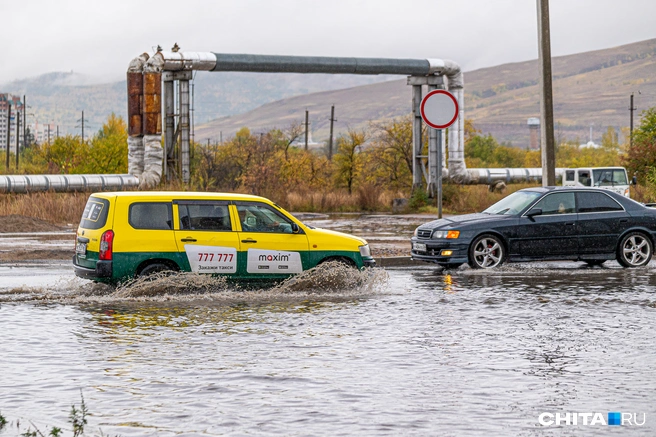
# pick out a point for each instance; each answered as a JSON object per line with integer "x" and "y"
{"x": 368, "y": 170}
{"x": 77, "y": 418}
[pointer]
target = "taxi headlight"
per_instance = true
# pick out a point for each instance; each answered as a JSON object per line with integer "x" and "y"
{"x": 446, "y": 234}
{"x": 365, "y": 252}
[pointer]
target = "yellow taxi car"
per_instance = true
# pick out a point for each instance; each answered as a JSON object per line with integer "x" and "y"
{"x": 127, "y": 234}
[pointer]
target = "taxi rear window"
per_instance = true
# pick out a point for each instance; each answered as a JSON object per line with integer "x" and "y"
{"x": 95, "y": 213}
{"x": 150, "y": 215}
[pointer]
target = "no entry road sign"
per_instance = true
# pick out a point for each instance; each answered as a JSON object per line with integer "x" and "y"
{"x": 439, "y": 109}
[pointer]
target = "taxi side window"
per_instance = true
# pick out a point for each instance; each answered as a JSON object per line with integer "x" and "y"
{"x": 559, "y": 203}
{"x": 204, "y": 217}
{"x": 150, "y": 215}
{"x": 258, "y": 217}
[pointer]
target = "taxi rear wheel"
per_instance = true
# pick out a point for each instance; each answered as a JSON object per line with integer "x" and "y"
{"x": 155, "y": 267}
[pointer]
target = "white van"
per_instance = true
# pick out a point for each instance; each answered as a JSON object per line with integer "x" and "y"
{"x": 610, "y": 178}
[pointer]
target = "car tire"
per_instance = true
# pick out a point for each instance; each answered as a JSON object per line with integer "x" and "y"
{"x": 486, "y": 252}
{"x": 153, "y": 268}
{"x": 635, "y": 250}
{"x": 595, "y": 262}
{"x": 348, "y": 262}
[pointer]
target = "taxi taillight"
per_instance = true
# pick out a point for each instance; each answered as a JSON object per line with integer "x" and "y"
{"x": 106, "y": 243}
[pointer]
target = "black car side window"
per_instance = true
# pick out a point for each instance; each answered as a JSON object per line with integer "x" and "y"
{"x": 597, "y": 202}
{"x": 557, "y": 203}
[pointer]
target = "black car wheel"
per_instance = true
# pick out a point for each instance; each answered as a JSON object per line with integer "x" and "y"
{"x": 635, "y": 250}
{"x": 486, "y": 252}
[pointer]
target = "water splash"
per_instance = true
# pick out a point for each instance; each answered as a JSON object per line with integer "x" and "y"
{"x": 330, "y": 281}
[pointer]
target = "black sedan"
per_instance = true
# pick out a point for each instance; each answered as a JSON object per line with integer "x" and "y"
{"x": 552, "y": 223}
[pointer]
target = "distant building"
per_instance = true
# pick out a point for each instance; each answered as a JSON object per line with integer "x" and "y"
{"x": 590, "y": 144}
{"x": 7, "y": 100}
{"x": 300, "y": 141}
{"x": 43, "y": 133}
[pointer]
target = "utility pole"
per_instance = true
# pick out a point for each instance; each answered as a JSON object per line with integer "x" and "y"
{"x": 306, "y": 129}
{"x": 330, "y": 141}
{"x": 631, "y": 109}
{"x": 18, "y": 122}
{"x": 546, "y": 97}
{"x": 8, "y": 130}
{"x": 83, "y": 126}
{"x": 24, "y": 122}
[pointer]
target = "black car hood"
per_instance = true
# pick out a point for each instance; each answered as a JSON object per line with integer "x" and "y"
{"x": 466, "y": 219}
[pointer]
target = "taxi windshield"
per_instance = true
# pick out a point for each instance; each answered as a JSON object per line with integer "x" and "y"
{"x": 514, "y": 203}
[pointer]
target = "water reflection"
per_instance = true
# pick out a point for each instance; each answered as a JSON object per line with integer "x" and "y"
{"x": 432, "y": 352}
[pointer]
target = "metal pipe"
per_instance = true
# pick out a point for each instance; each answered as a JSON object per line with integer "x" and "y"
{"x": 487, "y": 176}
{"x": 169, "y": 126}
{"x": 152, "y": 110}
{"x": 184, "y": 130}
{"x": 66, "y": 183}
{"x": 135, "y": 115}
{"x": 417, "y": 143}
{"x": 432, "y": 186}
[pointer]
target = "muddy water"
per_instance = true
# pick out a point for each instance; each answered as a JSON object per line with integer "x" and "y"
{"x": 407, "y": 351}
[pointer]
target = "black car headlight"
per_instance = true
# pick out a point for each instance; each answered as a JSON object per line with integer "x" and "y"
{"x": 446, "y": 234}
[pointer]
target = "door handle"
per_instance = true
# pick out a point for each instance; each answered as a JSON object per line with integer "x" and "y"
{"x": 570, "y": 224}
{"x": 624, "y": 220}
{"x": 188, "y": 240}
{"x": 249, "y": 241}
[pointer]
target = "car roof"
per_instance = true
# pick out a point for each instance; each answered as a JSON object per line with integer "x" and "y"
{"x": 564, "y": 188}
{"x": 180, "y": 195}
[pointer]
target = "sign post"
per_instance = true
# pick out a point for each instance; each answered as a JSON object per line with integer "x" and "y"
{"x": 439, "y": 110}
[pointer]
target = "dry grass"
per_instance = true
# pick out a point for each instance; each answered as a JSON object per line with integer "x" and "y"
{"x": 462, "y": 199}
{"x": 367, "y": 198}
{"x": 58, "y": 208}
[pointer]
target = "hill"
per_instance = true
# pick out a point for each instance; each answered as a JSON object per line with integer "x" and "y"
{"x": 60, "y": 98}
{"x": 590, "y": 89}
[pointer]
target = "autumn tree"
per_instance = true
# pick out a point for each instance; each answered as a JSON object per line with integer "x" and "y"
{"x": 641, "y": 158}
{"x": 348, "y": 162}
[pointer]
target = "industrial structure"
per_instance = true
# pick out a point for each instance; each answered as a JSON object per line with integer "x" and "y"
{"x": 159, "y": 105}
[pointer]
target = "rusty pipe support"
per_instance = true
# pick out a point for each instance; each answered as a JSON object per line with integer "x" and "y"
{"x": 135, "y": 114}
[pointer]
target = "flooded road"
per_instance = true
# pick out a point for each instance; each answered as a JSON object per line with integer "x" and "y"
{"x": 402, "y": 351}
{"x": 397, "y": 351}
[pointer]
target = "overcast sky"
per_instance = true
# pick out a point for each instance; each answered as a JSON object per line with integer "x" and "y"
{"x": 99, "y": 38}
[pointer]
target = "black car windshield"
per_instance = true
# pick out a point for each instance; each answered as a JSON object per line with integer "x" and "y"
{"x": 514, "y": 203}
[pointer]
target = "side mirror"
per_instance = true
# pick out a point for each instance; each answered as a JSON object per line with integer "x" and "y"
{"x": 634, "y": 180}
{"x": 532, "y": 213}
{"x": 295, "y": 228}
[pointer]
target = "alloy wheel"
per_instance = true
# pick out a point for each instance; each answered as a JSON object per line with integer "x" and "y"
{"x": 636, "y": 250}
{"x": 487, "y": 253}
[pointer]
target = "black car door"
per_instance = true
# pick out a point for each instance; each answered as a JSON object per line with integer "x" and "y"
{"x": 552, "y": 234}
{"x": 601, "y": 219}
